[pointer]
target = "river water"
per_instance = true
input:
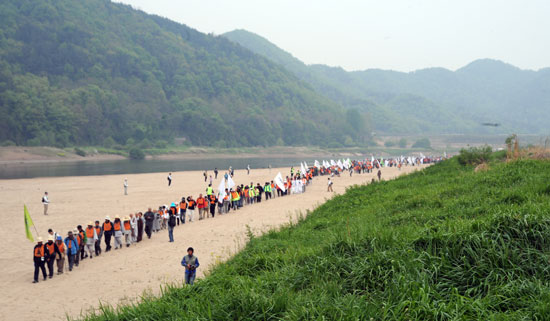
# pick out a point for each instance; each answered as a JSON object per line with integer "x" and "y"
{"x": 85, "y": 168}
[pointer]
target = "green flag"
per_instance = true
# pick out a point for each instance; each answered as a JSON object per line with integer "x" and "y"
{"x": 28, "y": 224}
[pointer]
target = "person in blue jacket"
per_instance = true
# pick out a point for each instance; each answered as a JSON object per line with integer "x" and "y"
{"x": 191, "y": 263}
{"x": 71, "y": 245}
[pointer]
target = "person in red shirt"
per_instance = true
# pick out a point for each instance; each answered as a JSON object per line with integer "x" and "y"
{"x": 201, "y": 204}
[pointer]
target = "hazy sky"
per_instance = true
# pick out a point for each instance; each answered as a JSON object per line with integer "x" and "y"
{"x": 389, "y": 34}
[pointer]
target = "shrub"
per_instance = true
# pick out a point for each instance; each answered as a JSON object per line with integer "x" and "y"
{"x": 79, "y": 152}
{"x": 389, "y": 143}
{"x": 403, "y": 143}
{"x": 475, "y": 155}
{"x": 161, "y": 143}
{"x": 145, "y": 144}
{"x": 136, "y": 153}
{"x": 8, "y": 142}
{"x": 109, "y": 142}
{"x": 422, "y": 143}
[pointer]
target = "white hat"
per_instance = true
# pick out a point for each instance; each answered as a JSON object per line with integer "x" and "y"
{"x": 107, "y": 217}
{"x": 116, "y": 216}
{"x": 50, "y": 238}
{"x": 90, "y": 223}
{"x": 39, "y": 239}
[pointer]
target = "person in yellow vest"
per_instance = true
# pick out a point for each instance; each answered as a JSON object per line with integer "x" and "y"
{"x": 209, "y": 190}
{"x": 91, "y": 239}
{"x": 234, "y": 199}
{"x": 127, "y": 230}
{"x": 60, "y": 254}
{"x": 117, "y": 228}
{"x": 39, "y": 256}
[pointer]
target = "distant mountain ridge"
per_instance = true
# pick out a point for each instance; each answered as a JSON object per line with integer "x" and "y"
{"x": 433, "y": 100}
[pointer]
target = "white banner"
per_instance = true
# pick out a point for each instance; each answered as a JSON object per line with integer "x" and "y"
{"x": 302, "y": 169}
{"x": 316, "y": 164}
{"x": 221, "y": 190}
{"x": 230, "y": 183}
{"x": 279, "y": 182}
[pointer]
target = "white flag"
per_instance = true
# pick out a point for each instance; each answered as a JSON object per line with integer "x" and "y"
{"x": 316, "y": 164}
{"x": 340, "y": 164}
{"x": 221, "y": 190}
{"x": 302, "y": 169}
{"x": 332, "y": 163}
{"x": 230, "y": 183}
{"x": 279, "y": 181}
{"x": 305, "y": 165}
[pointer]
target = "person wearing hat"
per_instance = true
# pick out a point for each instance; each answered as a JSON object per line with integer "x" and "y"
{"x": 127, "y": 231}
{"x": 60, "y": 254}
{"x": 117, "y": 228}
{"x": 50, "y": 258}
{"x": 91, "y": 239}
{"x": 171, "y": 222}
{"x": 108, "y": 229}
{"x": 71, "y": 244}
{"x": 99, "y": 232}
{"x": 191, "y": 263}
{"x": 40, "y": 253}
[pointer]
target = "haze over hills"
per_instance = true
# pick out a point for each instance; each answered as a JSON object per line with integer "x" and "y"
{"x": 79, "y": 72}
{"x": 433, "y": 100}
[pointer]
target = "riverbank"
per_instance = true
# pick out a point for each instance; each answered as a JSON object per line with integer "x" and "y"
{"x": 122, "y": 276}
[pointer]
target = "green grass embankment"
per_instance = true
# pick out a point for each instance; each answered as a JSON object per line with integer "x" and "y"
{"x": 442, "y": 244}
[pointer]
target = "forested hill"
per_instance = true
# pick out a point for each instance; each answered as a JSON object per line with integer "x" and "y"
{"x": 79, "y": 72}
{"x": 432, "y": 100}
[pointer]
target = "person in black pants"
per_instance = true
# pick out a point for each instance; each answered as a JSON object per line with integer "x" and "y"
{"x": 149, "y": 220}
{"x": 108, "y": 232}
{"x": 40, "y": 255}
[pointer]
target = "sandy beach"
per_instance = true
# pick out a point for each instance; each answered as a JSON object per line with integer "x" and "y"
{"x": 123, "y": 275}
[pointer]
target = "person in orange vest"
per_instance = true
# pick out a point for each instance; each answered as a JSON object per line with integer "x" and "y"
{"x": 201, "y": 204}
{"x": 213, "y": 200}
{"x": 127, "y": 231}
{"x": 60, "y": 254}
{"x": 71, "y": 244}
{"x": 99, "y": 232}
{"x": 107, "y": 228}
{"x": 190, "y": 207}
{"x": 83, "y": 242}
{"x": 91, "y": 238}
{"x": 80, "y": 241}
{"x": 40, "y": 253}
{"x": 50, "y": 258}
{"x": 117, "y": 229}
{"x": 183, "y": 209}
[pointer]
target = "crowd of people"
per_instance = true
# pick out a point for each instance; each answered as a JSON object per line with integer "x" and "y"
{"x": 86, "y": 241}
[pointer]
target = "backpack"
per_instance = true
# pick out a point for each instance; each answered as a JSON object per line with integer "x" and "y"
{"x": 172, "y": 221}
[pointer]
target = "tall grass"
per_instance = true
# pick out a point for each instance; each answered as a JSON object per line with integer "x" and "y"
{"x": 442, "y": 244}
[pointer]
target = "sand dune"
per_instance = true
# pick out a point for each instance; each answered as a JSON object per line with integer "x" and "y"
{"x": 119, "y": 276}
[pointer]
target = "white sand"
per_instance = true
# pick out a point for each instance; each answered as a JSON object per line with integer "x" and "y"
{"x": 122, "y": 275}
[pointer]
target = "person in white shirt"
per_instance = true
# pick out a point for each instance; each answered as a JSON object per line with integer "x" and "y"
{"x": 329, "y": 188}
{"x": 133, "y": 223}
{"x": 125, "y": 186}
{"x": 46, "y": 202}
{"x": 169, "y": 178}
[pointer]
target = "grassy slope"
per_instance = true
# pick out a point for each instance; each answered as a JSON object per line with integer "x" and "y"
{"x": 442, "y": 244}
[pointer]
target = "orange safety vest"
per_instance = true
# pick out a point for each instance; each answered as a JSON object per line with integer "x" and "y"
{"x": 61, "y": 247}
{"x": 200, "y": 201}
{"x": 81, "y": 233}
{"x": 107, "y": 226}
{"x": 90, "y": 232}
{"x": 234, "y": 195}
{"x": 79, "y": 239}
{"x": 39, "y": 251}
{"x": 212, "y": 199}
{"x": 126, "y": 225}
{"x": 191, "y": 203}
{"x": 183, "y": 206}
{"x": 97, "y": 230}
{"x": 51, "y": 248}
{"x": 117, "y": 226}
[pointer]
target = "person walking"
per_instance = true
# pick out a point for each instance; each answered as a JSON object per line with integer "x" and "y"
{"x": 50, "y": 257}
{"x": 45, "y": 202}
{"x": 60, "y": 254}
{"x": 140, "y": 226}
{"x": 216, "y": 173}
{"x": 329, "y": 188}
{"x": 91, "y": 239}
{"x": 183, "y": 209}
{"x": 213, "y": 200}
{"x": 80, "y": 243}
{"x": 127, "y": 231}
{"x": 169, "y": 178}
{"x": 117, "y": 227}
{"x": 191, "y": 263}
{"x": 40, "y": 253}
{"x": 125, "y": 186}
{"x": 171, "y": 225}
{"x": 201, "y": 204}
{"x": 108, "y": 232}
{"x": 248, "y": 169}
{"x": 71, "y": 244}
{"x": 133, "y": 224}
{"x": 190, "y": 207}
{"x": 83, "y": 242}
{"x": 99, "y": 232}
{"x": 379, "y": 175}
{"x": 210, "y": 179}
{"x": 149, "y": 220}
